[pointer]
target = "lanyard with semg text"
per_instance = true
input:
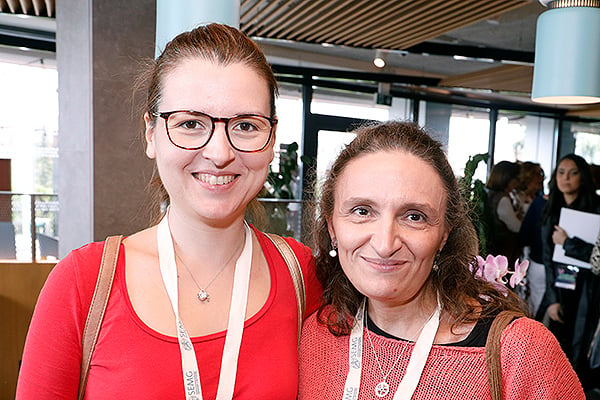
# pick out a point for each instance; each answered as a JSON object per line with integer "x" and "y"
{"x": 237, "y": 313}
{"x": 415, "y": 367}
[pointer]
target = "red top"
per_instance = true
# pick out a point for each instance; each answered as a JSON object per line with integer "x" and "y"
{"x": 533, "y": 366}
{"x": 133, "y": 361}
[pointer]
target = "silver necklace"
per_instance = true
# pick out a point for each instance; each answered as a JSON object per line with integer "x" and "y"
{"x": 383, "y": 388}
{"x": 203, "y": 294}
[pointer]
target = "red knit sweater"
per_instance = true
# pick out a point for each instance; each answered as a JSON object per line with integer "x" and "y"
{"x": 533, "y": 366}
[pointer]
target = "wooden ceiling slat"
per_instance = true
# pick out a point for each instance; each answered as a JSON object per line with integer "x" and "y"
{"x": 50, "y": 8}
{"x": 586, "y": 112}
{"x": 279, "y": 19}
{"x": 257, "y": 23}
{"x": 282, "y": 18}
{"x": 516, "y": 78}
{"x": 303, "y": 17}
{"x": 385, "y": 14}
{"x": 467, "y": 16}
{"x": 393, "y": 21}
{"x": 38, "y": 7}
{"x": 247, "y": 11}
{"x": 420, "y": 30}
{"x": 331, "y": 17}
{"x": 422, "y": 23}
{"x": 13, "y": 5}
{"x": 26, "y": 6}
{"x": 370, "y": 12}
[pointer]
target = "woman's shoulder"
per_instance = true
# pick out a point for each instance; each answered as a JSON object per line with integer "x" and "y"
{"x": 316, "y": 336}
{"x": 526, "y": 333}
{"x": 84, "y": 260}
{"x": 302, "y": 252}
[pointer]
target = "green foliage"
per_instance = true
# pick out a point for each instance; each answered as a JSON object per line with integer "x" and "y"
{"x": 281, "y": 185}
{"x": 476, "y": 197}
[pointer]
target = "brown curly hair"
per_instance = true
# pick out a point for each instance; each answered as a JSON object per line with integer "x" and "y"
{"x": 454, "y": 280}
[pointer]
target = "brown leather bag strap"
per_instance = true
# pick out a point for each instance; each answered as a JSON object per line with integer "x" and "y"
{"x": 98, "y": 306}
{"x": 295, "y": 272}
{"x": 492, "y": 351}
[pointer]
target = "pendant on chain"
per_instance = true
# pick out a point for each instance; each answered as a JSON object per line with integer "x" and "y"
{"x": 382, "y": 389}
{"x": 203, "y": 295}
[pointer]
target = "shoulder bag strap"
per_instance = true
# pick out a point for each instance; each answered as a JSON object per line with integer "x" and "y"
{"x": 98, "y": 306}
{"x": 492, "y": 351}
{"x": 295, "y": 272}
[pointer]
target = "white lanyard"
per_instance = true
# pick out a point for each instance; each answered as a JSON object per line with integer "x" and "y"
{"x": 415, "y": 367}
{"x": 237, "y": 313}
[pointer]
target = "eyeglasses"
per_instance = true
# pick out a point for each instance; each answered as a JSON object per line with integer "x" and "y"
{"x": 192, "y": 130}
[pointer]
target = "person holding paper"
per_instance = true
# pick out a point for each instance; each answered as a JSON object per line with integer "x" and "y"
{"x": 571, "y": 303}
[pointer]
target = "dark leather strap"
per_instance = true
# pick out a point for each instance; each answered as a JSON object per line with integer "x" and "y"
{"x": 295, "y": 272}
{"x": 492, "y": 351}
{"x": 98, "y": 306}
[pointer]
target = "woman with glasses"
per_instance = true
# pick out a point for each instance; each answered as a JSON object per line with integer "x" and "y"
{"x": 203, "y": 305}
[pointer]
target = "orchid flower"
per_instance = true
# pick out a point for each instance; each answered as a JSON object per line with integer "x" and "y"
{"x": 494, "y": 269}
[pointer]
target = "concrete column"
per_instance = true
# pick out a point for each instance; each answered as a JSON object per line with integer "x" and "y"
{"x": 102, "y": 167}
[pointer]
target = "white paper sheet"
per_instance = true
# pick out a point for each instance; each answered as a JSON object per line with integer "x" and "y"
{"x": 584, "y": 225}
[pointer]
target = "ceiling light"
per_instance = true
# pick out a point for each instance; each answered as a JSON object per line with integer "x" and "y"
{"x": 379, "y": 60}
{"x": 567, "y": 53}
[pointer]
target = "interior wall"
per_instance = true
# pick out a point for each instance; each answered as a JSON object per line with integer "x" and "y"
{"x": 5, "y": 186}
{"x": 103, "y": 171}
{"x": 20, "y": 285}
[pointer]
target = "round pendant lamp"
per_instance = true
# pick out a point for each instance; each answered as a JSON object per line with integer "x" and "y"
{"x": 567, "y": 53}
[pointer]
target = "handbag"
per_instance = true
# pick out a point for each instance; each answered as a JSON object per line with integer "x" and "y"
{"x": 492, "y": 351}
{"x": 106, "y": 275}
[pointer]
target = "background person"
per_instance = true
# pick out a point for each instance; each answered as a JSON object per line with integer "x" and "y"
{"x": 210, "y": 125}
{"x": 529, "y": 191}
{"x": 506, "y": 215}
{"x": 573, "y": 313}
{"x": 393, "y": 232}
{"x": 530, "y": 184}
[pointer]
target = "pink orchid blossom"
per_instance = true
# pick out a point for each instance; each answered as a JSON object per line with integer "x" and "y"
{"x": 494, "y": 269}
{"x": 519, "y": 274}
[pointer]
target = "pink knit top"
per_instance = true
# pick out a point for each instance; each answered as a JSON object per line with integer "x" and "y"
{"x": 533, "y": 365}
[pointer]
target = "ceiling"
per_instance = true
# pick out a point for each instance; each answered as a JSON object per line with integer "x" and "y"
{"x": 466, "y": 47}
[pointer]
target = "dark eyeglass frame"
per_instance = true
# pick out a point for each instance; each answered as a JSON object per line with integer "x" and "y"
{"x": 165, "y": 115}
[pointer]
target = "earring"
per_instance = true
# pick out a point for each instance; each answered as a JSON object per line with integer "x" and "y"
{"x": 333, "y": 251}
{"x": 436, "y": 267}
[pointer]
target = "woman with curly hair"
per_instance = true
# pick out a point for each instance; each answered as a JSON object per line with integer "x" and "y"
{"x": 402, "y": 311}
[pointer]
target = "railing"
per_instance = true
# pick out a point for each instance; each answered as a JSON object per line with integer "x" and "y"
{"x": 284, "y": 217}
{"x": 28, "y": 226}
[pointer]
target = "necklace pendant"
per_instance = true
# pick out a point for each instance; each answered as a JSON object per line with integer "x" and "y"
{"x": 203, "y": 295}
{"x": 382, "y": 389}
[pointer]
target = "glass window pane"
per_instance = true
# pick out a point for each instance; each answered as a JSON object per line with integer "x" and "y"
{"x": 587, "y": 141}
{"x": 29, "y": 149}
{"x": 348, "y": 104}
{"x": 330, "y": 145}
{"x": 524, "y": 137}
{"x": 468, "y": 135}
